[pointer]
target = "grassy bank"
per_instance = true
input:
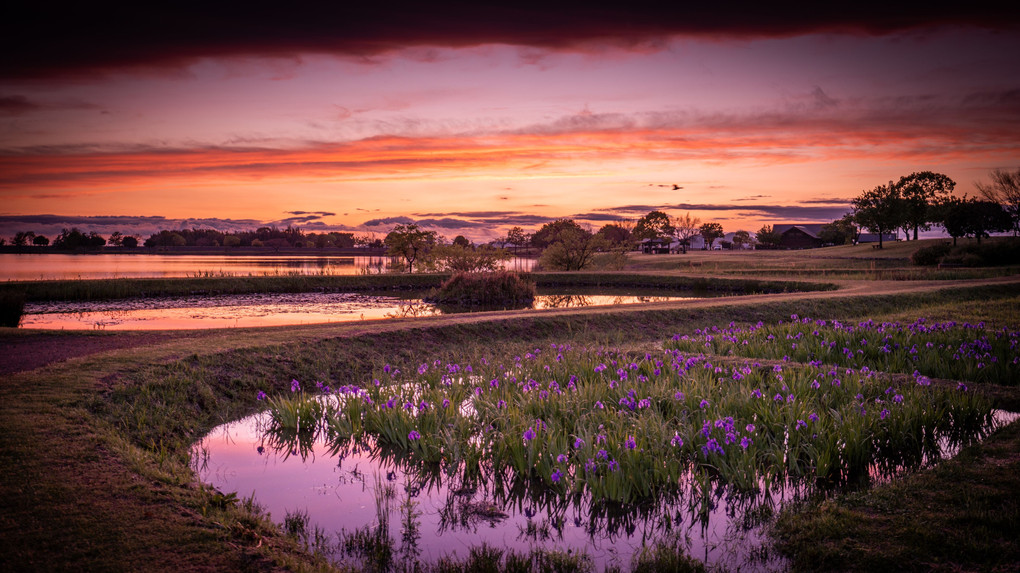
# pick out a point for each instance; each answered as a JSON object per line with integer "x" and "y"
{"x": 96, "y": 450}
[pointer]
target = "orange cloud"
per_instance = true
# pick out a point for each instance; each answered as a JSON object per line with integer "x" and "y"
{"x": 573, "y": 145}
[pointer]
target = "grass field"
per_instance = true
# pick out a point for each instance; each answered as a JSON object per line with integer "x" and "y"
{"x": 95, "y": 447}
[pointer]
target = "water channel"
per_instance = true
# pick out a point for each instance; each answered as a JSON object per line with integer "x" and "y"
{"x": 279, "y": 309}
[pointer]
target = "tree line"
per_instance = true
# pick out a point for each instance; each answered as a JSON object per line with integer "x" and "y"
{"x": 74, "y": 239}
{"x": 920, "y": 200}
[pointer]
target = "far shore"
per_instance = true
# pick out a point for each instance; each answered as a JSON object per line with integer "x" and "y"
{"x": 219, "y": 251}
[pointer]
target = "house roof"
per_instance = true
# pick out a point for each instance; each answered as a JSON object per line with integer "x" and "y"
{"x": 811, "y": 229}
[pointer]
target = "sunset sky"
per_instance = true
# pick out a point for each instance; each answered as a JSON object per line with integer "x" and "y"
{"x": 470, "y": 119}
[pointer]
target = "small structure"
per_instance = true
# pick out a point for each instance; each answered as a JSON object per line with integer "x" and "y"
{"x": 655, "y": 246}
{"x": 799, "y": 236}
{"x": 873, "y": 237}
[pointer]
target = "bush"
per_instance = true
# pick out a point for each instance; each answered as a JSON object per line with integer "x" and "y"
{"x": 501, "y": 288}
{"x": 12, "y": 307}
{"x": 997, "y": 252}
{"x": 930, "y": 256}
{"x": 614, "y": 260}
{"x": 991, "y": 253}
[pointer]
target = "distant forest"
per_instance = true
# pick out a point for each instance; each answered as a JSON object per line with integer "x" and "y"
{"x": 76, "y": 240}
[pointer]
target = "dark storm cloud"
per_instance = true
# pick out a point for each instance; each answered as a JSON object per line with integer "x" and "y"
{"x": 12, "y": 105}
{"x": 17, "y": 105}
{"x": 816, "y": 210}
{"x": 310, "y": 213}
{"x": 450, "y": 223}
{"x": 84, "y": 37}
{"x": 388, "y": 221}
{"x": 465, "y": 220}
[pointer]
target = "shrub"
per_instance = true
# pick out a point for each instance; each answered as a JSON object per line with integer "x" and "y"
{"x": 1001, "y": 252}
{"x": 12, "y": 307}
{"x": 930, "y": 256}
{"x": 501, "y": 288}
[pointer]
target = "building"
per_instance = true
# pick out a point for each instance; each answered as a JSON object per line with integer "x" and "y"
{"x": 799, "y": 235}
{"x": 655, "y": 246}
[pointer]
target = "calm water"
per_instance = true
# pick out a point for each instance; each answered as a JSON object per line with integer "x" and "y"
{"x": 428, "y": 514}
{"x": 254, "y": 310}
{"x": 24, "y": 267}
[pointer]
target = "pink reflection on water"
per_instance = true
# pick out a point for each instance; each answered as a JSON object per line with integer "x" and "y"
{"x": 260, "y": 310}
{"x": 340, "y": 495}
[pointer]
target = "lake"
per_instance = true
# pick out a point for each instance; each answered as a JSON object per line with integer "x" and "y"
{"x": 30, "y": 267}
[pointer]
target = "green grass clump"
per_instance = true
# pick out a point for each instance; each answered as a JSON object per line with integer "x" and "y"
{"x": 930, "y": 255}
{"x": 12, "y": 307}
{"x": 493, "y": 289}
{"x": 621, "y": 428}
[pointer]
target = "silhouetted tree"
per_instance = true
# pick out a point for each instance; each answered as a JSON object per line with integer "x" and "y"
{"x": 615, "y": 234}
{"x": 410, "y": 242}
{"x": 1004, "y": 190}
{"x": 461, "y": 241}
{"x": 571, "y": 248}
{"x": 546, "y": 235}
{"x": 654, "y": 225}
{"x": 70, "y": 239}
{"x": 129, "y": 242}
{"x": 879, "y": 210}
{"x": 767, "y": 238}
{"x": 684, "y": 229}
{"x": 710, "y": 232}
{"x": 469, "y": 259}
{"x": 920, "y": 192}
{"x": 972, "y": 217}
{"x": 842, "y": 231}
{"x": 22, "y": 238}
{"x": 40, "y": 241}
{"x": 741, "y": 238}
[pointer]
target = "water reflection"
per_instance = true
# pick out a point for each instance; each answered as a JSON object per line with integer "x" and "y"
{"x": 356, "y": 489}
{"x": 52, "y": 266}
{"x": 352, "y": 487}
{"x": 257, "y": 310}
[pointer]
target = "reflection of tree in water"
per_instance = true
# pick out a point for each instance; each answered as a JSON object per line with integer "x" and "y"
{"x": 414, "y": 309}
{"x": 583, "y": 300}
{"x": 566, "y": 300}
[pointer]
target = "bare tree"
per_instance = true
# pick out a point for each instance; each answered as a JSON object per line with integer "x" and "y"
{"x": 1004, "y": 190}
{"x": 684, "y": 228}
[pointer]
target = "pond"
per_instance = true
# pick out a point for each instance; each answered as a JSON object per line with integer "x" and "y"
{"x": 364, "y": 499}
{"x": 30, "y": 267}
{"x": 366, "y": 492}
{"x": 257, "y": 310}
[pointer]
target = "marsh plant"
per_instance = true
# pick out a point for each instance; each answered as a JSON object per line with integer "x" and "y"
{"x": 627, "y": 428}
{"x": 489, "y": 289}
{"x": 949, "y": 350}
